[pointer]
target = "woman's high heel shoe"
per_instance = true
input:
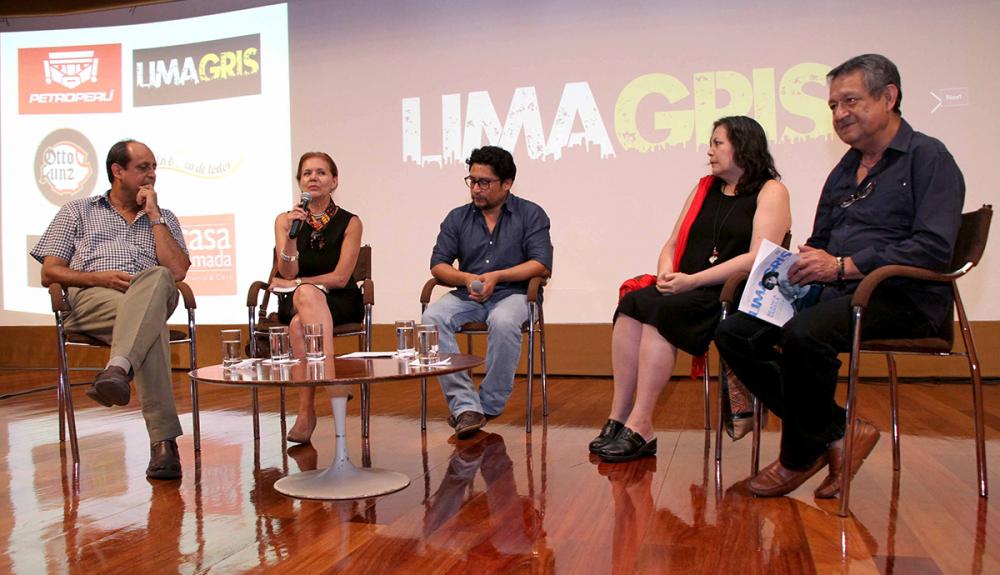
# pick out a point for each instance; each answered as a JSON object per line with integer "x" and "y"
{"x": 296, "y": 435}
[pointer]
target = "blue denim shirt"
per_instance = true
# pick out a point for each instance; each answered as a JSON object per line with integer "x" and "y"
{"x": 521, "y": 235}
{"x": 910, "y": 217}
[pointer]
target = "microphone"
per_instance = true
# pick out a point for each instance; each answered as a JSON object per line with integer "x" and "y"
{"x": 296, "y": 227}
{"x": 477, "y": 286}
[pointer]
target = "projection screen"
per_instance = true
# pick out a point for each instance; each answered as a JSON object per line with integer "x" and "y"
{"x": 607, "y": 108}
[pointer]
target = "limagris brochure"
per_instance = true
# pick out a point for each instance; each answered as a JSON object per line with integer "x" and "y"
{"x": 768, "y": 294}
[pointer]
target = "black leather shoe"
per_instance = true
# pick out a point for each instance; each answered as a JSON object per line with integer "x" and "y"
{"x": 468, "y": 423}
{"x": 610, "y": 431}
{"x": 627, "y": 446}
{"x": 164, "y": 461}
{"x": 111, "y": 387}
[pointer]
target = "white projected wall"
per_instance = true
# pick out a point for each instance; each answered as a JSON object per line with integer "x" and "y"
{"x": 606, "y": 107}
{"x": 209, "y": 95}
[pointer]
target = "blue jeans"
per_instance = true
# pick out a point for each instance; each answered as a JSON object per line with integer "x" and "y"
{"x": 504, "y": 318}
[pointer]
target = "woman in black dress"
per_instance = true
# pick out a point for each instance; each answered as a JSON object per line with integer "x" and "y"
{"x": 318, "y": 264}
{"x": 724, "y": 220}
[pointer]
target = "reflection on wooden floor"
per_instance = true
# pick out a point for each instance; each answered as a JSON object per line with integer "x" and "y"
{"x": 502, "y": 501}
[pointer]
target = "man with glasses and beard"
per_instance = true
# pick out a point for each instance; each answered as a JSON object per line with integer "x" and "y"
{"x": 894, "y": 198}
{"x": 500, "y": 241}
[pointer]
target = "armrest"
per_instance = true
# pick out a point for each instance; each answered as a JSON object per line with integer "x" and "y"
{"x": 425, "y": 294}
{"x": 871, "y": 281}
{"x": 253, "y": 294}
{"x": 534, "y": 286}
{"x": 188, "y": 295}
{"x": 731, "y": 289}
{"x": 58, "y": 298}
{"x": 368, "y": 292}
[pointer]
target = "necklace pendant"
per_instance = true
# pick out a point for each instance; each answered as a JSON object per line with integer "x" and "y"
{"x": 714, "y": 257}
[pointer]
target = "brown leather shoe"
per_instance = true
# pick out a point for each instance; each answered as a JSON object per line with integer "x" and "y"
{"x": 865, "y": 437}
{"x": 111, "y": 387}
{"x": 776, "y": 480}
{"x": 164, "y": 461}
{"x": 468, "y": 423}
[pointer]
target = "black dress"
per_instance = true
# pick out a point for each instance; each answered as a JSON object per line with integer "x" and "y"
{"x": 688, "y": 320}
{"x": 346, "y": 305}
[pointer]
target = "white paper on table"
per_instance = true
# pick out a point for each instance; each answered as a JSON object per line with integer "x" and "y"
{"x": 291, "y": 361}
{"x": 445, "y": 361}
{"x": 366, "y": 354}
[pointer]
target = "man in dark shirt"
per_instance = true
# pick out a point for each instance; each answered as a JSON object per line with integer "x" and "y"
{"x": 895, "y": 198}
{"x": 500, "y": 242}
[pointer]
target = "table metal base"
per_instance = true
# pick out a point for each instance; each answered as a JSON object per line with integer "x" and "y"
{"x": 341, "y": 480}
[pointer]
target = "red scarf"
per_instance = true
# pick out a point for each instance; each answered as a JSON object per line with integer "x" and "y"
{"x": 639, "y": 282}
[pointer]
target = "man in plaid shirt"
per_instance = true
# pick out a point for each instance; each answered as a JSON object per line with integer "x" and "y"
{"x": 119, "y": 256}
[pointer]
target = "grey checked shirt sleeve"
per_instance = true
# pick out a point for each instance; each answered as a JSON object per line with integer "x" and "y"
{"x": 174, "y": 225}
{"x": 58, "y": 239}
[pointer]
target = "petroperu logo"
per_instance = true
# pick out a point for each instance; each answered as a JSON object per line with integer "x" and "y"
{"x": 65, "y": 166}
{"x": 70, "y": 79}
{"x": 211, "y": 245}
{"x": 211, "y": 70}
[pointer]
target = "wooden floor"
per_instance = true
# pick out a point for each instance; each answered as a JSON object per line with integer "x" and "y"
{"x": 501, "y": 502}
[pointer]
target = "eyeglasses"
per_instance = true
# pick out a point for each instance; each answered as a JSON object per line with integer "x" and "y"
{"x": 483, "y": 183}
{"x": 859, "y": 195}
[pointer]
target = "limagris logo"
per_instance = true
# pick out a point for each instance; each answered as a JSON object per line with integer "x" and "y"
{"x": 70, "y": 79}
{"x": 204, "y": 71}
{"x": 65, "y": 166}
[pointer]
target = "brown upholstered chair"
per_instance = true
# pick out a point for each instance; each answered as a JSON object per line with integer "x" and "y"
{"x": 257, "y": 300}
{"x": 535, "y": 324}
{"x": 66, "y": 339}
{"x": 969, "y": 248}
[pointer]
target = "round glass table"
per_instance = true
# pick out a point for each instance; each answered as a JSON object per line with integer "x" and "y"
{"x": 342, "y": 479}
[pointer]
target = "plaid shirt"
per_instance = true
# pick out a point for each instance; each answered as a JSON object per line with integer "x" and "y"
{"x": 93, "y": 237}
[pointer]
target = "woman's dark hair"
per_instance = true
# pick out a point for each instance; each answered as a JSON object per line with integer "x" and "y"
{"x": 497, "y": 158}
{"x": 749, "y": 152}
{"x": 322, "y": 155}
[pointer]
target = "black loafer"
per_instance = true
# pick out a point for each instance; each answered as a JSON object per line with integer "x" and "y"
{"x": 627, "y": 446}
{"x": 164, "y": 461}
{"x": 610, "y": 431}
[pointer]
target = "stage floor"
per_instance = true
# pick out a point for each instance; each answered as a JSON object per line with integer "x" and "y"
{"x": 500, "y": 502}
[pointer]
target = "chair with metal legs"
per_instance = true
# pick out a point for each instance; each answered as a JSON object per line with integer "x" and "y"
{"x": 535, "y": 324}
{"x": 66, "y": 339}
{"x": 258, "y": 298}
{"x": 732, "y": 290}
{"x": 969, "y": 248}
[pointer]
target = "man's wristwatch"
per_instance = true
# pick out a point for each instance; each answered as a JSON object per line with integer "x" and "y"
{"x": 156, "y": 222}
{"x": 840, "y": 269}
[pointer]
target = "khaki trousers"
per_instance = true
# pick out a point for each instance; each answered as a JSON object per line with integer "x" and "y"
{"x": 134, "y": 324}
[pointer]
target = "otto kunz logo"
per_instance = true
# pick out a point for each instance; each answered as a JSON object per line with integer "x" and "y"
{"x": 70, "y": 79}
{"x": 203, "y": 71}
{"x": 65, "y": 166}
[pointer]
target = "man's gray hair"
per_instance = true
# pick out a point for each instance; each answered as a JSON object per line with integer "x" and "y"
{"x": 878, "y": 71}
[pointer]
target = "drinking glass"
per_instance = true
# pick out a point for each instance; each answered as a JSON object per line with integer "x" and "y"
{"x": 427, "y": 343}
{"x": 314, "y": 341}
{"x": 231, "y": 340}
{"x": 281, "y": 344}
{"x": 404, "y": 338}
